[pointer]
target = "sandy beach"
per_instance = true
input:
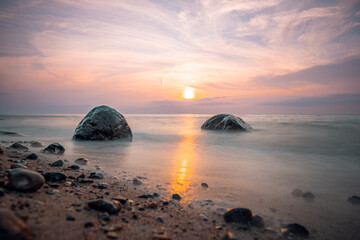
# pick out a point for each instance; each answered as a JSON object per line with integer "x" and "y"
{"x": 60, "y": 209}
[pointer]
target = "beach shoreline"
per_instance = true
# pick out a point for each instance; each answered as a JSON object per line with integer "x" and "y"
{"x": 59, "y": 210}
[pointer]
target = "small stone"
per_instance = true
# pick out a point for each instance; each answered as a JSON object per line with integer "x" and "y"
{"x": 297, "y": 193}
{"x": 58, "y": 163}
{"x": 88, "y": 224}
{"x": 204, "y": 217}
{"x": 111, "y": 207}
{"x": 101, "y": 185}
{"x": 54, "y": 148}
{"x": 204, "y": 185}
{"x": 17, "y": 165}
{"x": 54, "y": 176}
{"x": 36, "y": 144}
{"x": 70, "y": 218}
{"x": 229, "y": 236}
{"x": 80, "y": 176}
{"x": 112, "y": 235}
{"x": 137, "y": 182}
{"x": 159, "y": 219}
{"x": 81, "y": 161}
{"x": 74, "y": 167}
{"x": 25, "y": 180}
{"x": 96, "y": 175}
{"x": 19, "y": 146}
{"x": 23, "y": 162}
{"x": 52, "y": 191}
{"x": 155, "y": 194}
{"x": 32, "y": 156}
{"x": 104, "y": 216}
{"x": 13, "y": 227}
{"x": 120, "y": 199}
{"x": 308, "y": 196}
{"x": 86, "y": 181}
{"x": 354, "y": 200}
{"x": 296, "y": 229}
{"x": 176, "y": 196}
{"x": 238, "y": 215}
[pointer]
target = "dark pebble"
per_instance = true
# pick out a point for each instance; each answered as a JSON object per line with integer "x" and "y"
{"x": 159, "y": 219}
{"x": 204, "y": 185}
{"x": 54, "y": 148}
{"x": 296, "y": 229}
{"x": 70, "y": 218}
{"x": 32, "y": 156}
{"x": 308, "y": 195}
{"x": 74, "y": 167}
{"x": 354, "y": 200}
{"x": 176, "y": 197}
{"x": 96, "y": 175}
{"x": 58, "y": 163}
{"x": 19, "y": 146}
{"x": 88, "y": 224}
{"x": 104, "y": 216}
{"x": 54, "y": 176}
{"x": 238, "y": 215}
{"x": 155, "y": 194}
{"x": 101, "y": 185}
{"x": 111, "y": 207}
{"x": 120, "y": 199}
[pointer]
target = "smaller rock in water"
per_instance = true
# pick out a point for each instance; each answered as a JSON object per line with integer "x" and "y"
{"x": 297, "y": 192}
{"x": 176, "y": 196}
{"x": 70, "y": 218}
{"x": 54, "y": 176}
{"x": 226, "y": 122}
{"x": 204, "y": 185}
{"x": 111, "y": 207}
{"x": 295, "y": 229}
{"x": 137, "y": 182}
{"x": 74, "y": 167}
{"x": 354, "y": 200}
{"x": 81, "y": 161}
{"x": 96, "y": 175}
{"x": 25, "y": 180}
{"x": 229, "y": 236}
{"x": 36, "y": 144}
{"x": 308, "y": 196}
{"x": 13, "y": 227}
{"x": 54, "y": 148}
{"x": 19, "y": 146}
{"x": 58, "y": 163}
{"x": 239, "y": 215}
{"x": 32, "y": 156}
{"x": 17, "y": 165}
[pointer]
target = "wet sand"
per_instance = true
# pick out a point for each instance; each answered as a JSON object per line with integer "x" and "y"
{"x": 59, "y": 210}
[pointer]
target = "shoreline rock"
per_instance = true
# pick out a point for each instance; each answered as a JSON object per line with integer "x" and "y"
{"x": 227, "y": 123}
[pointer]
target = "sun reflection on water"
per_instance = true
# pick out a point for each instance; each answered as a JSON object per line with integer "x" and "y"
{"x": 184, "y": 160}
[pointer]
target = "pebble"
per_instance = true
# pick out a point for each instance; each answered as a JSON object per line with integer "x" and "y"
{"x": 88, "y": 224}
{"x": 17, "y": 165}
{"x": 104, "y": 216}
{"x": 70, "y": 218}
{"x": 112, "y": 207}
{"x": 354, "y": 200}
{"x": 96, "y": 175}
{"x": 32, "y": 156}
{"x": 204, "y": 185}
{"x": 101, "y": 185}
{"x": 155, "y": 194}
{"x": 13, "y": 227}
{"x": 54, "y": 176}
{"x": 112, "y": 235}
{"x": 25, "y": 180}
{"x": 308, "y": 196}
{"x": 137, "y": 182}
{"x": 58, "y": 163}
{"x": 1, "y": 151}
{"x": 120, "y": 199}
{"x": 159, "y": 219}
{"x": 74, "y": 167}
{"x": 54, "y": 148}
{"x": 23, "y": 162}
{"x": 52, "y": 191}
{"x": 295, "y": 229}
{"x": 81, "y": 161}
{"x": 176, "y": 196}
{"x": 19, "y": 146}
{"x": 238, "y": 215}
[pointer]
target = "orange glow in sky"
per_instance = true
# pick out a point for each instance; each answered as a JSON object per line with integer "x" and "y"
{"x": 189, "y": 93}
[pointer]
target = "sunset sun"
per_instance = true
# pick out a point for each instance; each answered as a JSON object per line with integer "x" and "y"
{"x": 189, "y": 93}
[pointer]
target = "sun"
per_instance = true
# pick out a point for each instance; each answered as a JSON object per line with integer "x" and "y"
{"x": 189, "y": 93}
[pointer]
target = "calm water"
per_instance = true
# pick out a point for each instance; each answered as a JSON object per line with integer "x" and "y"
{"x": 317, "y": 153}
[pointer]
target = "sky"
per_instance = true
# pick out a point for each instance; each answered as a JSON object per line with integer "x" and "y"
{"x": 139, "y": 56}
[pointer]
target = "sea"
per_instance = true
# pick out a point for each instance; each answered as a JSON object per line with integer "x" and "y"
{"x": 258, "y": 169}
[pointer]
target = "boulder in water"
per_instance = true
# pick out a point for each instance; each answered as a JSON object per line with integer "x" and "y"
{"x": 226, "y": 122}
{"x": 103, "y": 123}
{"x": 25, "y": 180}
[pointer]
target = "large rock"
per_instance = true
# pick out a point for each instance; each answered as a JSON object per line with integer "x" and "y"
{"x": 13, "y": 227}
{"x": 103, "y": 123}
{"x": 226, "y": 122}
{"x": 25, "y": 180}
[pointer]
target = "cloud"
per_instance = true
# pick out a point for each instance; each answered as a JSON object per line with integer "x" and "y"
{"x": 337, "y": 99}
